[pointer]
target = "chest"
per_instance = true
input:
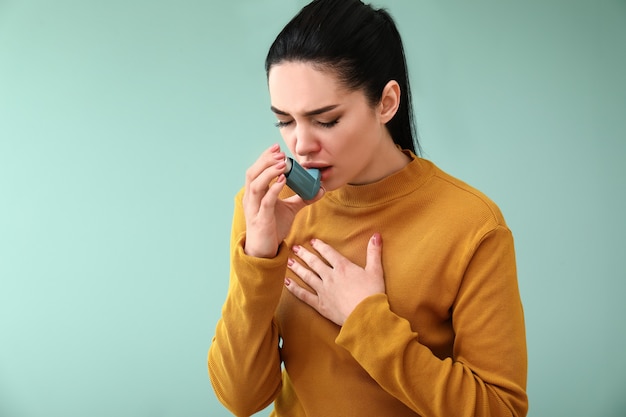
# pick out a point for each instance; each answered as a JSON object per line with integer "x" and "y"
{"x": 423, "y": 266}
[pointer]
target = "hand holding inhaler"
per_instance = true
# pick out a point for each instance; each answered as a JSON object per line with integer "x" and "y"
{"x": 268, "y": 217}
{"x": 305, "y": 182}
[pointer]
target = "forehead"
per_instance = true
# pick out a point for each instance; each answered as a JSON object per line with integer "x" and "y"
{"x": 300, "y": 86}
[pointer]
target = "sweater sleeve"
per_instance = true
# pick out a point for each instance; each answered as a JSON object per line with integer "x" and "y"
{"x": 486, "y": 376}
{"x": 244, "y": 360}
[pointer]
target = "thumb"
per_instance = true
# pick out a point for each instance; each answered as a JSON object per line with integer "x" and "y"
{"x": 374, "y": 254}
{"x": 297, "y": 203}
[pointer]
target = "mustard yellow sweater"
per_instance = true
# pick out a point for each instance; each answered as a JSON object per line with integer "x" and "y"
{"x": 446, "y": 340}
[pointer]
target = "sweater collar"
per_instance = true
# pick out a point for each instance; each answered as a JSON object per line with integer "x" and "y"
{"x": 394, "y": 186}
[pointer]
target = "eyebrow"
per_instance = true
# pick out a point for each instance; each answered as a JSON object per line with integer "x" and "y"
{"x": 309, "y": 113}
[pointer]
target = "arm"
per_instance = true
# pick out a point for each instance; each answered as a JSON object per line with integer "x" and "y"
{"x": 244, "y": 360}
{"x": 486, "y": 375}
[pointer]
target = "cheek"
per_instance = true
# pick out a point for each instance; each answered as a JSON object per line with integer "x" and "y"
{"x": 348, "y": 139}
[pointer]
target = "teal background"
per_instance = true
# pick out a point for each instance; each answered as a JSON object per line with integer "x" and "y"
{"x": 125, "y": 131}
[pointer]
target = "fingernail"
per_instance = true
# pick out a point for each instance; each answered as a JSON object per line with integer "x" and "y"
{"x": 313, "y": 241}
{"x": 376, "y": 239}
{"x": 295, "y": 249}
{"x": 287, "y": 282}
{"x": 290, "y": 261}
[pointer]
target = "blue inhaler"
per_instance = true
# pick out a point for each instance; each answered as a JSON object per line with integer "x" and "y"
{"x": 305, "y": 182}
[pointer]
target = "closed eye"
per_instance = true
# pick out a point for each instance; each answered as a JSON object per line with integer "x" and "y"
{"x": 328, "y": 125}
{"x": 280, "y": 124}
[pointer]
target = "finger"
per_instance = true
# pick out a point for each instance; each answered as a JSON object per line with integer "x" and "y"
{"x": 373, "y": 262}
{"x": 269, "y": 165}
{"x": 258, "y": 182}
{"x": 314, "y": 262}
{"x": 268, "y": 201}
{"x": 259, "y": 176}
{"x": 297, "y": 203}
{"x": 265, "y": 159}
{"x": 309, "y": 277}
{"x": 302, "y": 294}
{"x": 328, "y": 252}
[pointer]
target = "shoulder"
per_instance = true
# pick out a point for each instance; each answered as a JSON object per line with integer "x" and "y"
{"x": 455, "y": 196}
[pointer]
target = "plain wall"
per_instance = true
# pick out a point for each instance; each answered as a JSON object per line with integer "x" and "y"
{"x": 125, "y": 131}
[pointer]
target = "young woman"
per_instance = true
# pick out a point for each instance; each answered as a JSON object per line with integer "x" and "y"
{"x": 393, "y": 292}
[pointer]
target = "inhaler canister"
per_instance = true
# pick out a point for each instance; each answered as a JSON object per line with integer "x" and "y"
{"x": 305, "y": 182}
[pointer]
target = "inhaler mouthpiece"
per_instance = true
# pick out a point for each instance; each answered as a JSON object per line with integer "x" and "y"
{"x": 305, "y": 182}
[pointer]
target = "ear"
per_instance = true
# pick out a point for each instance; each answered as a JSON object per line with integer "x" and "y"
{"x": 389, "y": 101}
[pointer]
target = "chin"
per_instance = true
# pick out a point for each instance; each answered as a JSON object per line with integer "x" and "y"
{"x": 331, "y": 185}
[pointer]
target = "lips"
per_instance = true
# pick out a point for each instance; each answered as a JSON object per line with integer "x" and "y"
{"x": 324, "y": 169}
{"x": 324, "y": 172}
{"x": 311, "y": 165}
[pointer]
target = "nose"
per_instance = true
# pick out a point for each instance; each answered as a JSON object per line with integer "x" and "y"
{"x": 306, "y": 141}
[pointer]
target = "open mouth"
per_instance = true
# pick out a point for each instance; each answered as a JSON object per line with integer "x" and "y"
{"x": 323, "y": 169}
{"x": 324, "y": 172}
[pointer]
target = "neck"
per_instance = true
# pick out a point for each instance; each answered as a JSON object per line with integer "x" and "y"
{"x": 387, "y": 160}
